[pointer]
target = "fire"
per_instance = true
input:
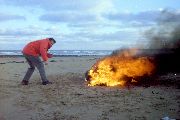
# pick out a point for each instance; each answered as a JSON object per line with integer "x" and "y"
{"x": 115, "y": 69}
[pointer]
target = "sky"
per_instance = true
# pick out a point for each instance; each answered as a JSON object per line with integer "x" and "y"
{"x": 80, "y": 24}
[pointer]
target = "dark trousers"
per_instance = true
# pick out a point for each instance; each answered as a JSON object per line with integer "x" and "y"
{"x": 34, "y": 62}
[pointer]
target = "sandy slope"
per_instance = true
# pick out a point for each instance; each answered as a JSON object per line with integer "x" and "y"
{"x": 69, "y": 98}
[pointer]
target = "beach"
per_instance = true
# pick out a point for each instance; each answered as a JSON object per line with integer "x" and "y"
{"x": 70, "y": 98}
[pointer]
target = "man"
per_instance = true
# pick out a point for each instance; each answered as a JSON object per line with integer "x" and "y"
{"x": 31, "y": 52}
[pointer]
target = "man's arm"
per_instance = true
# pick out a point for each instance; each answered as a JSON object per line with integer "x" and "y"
{"x": 43, "y": 51}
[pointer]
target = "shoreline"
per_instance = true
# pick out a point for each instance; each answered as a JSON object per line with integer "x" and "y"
{"x": 58, "y": 55}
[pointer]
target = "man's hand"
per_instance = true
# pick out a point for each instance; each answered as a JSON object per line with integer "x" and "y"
{"x": 45, "y": 62}
{"x": 49, "y": 55}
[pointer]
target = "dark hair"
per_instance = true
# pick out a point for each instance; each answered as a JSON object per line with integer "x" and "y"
{"x": 52, "y": 39}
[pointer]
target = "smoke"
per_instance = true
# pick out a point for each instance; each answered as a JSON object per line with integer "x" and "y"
{"x": 164, "y": 41}
{"x": 166, "y": 34}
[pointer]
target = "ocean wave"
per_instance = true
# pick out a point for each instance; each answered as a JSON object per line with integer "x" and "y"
{"x": 63, "y": 52}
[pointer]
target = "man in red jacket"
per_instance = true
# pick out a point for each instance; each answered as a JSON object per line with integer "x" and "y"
{"x": 31, "y": 52}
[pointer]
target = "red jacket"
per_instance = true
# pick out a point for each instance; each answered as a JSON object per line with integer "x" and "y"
{"x": 38, "y": 48}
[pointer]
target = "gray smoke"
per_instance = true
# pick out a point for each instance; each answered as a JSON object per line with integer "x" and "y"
{"x": 166, "y": 35}
{"x": 165, "y": 41}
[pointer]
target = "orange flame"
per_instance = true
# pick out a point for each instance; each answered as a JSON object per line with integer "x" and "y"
{"x": 112, "y": 70}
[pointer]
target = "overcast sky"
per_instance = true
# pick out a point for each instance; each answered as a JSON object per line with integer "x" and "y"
{"x": 80, "y": 24}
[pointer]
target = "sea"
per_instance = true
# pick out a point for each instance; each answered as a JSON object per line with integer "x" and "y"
{"x": 62, "y": 52}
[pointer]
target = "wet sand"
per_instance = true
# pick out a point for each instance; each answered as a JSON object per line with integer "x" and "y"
{"x": 69, "y": 97}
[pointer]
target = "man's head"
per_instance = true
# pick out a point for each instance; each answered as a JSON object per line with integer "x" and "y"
{"x": 52, "y": 41}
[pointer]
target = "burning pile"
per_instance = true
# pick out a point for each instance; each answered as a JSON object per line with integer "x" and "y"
{"x": 120, "y": 68}
{"x": 128, "y": 66}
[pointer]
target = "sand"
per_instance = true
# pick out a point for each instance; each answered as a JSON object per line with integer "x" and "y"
{"x": 69, "y": 97}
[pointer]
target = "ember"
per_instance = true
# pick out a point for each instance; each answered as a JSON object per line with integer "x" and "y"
{"x": 120, "y": 68}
